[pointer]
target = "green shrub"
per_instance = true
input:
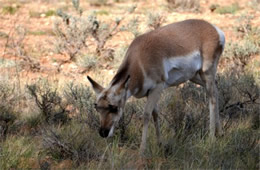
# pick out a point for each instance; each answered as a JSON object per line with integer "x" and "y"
{"x": 82, "y": 101}
{"x": 97, "y": 2}
{"x": 185, "y": 111}
{"x": 74, "y": 30}
{"x": 71, "y": 35}
{"x": 50, "y": 13}
{"x": 132, "y": 26}
{"x": 3, "y": 35}
{"x": 102, "y": 12}
{"x": 246, "y": 30}
{"x": 240, "y": 53}
{"x": 236, "y": 150}
{"x": 155, "y": 20}
{"x": 239, "y": 95}
{"x": 16, "y": 47}
{"x": 233, "y": 8}
{"x": 72, "y": 141}
{"x": 8, "y": 114}
{"x": 16, "y": 152}
{"x": 185, "y": 5}
{"x": 49, "y": 102}
{"x": 36, "y": 14}
{"x": 89, "y": 62}
{"x": 34, "y": 120}
{"x": 10, "y": 10}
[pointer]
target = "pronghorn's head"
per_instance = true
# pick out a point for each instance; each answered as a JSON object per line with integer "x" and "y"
{"x": 110, "y": 104}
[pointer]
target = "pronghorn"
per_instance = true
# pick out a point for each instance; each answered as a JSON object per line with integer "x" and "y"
{"x": 167, "y": 56}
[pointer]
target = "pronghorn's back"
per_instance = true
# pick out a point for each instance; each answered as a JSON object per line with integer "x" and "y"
{"x": 154, "y": 54}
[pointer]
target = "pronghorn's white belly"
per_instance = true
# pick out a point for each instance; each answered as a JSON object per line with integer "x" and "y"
{"x": 177, "y": 70}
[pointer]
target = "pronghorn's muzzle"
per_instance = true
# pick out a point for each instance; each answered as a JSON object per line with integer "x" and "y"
{"x": 104, "y": 132}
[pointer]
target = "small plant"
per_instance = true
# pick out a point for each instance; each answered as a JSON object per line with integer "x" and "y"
{"x": 50, "y": 13}
{"x": 16, "y": 152}
{"x": 240, "y": 53}
{"x": 37, "y": 33}
{"x": 102, "y": 12}
{"x": 49, "y": 102}
{"x": 3, "y": 35}
{"x": 238, "y": 149}
{"x": 10, "y": 9}
{"x": 97, "y": 2}
{"x": 88, "y": 62}
{"x": 185, "y": 5}
{"x": 245, "y": 24}
{"x": 132, "y": 26}
{"x": 74, "y": 31}
{"x": 70, "y": 142}
{"x": 102, "y": 32}
{"x": 71, "y": 34}
{"x": 125, "y": 120}
{"x": 81, "y": 99}
{"x": 213, "y": 7}
{"x": 15, "y": 46}
{"x": 8, "y": 114}
{"x": 239, "y": 96}
{"x": 34, "y": 120}
{"x": 233, "y": 8}
{"x": 155, "y": 20}
{"x": 36, "y": 14}
{"x": 254, "y": 4}
{"x": 246, "y": 30}
{"x": 185, "y": 111}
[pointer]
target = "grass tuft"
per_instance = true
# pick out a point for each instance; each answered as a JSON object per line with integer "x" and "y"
{"x": 17, "y": 152}
{"x": 10, "y": 10}
{"x": 233, "y": 8}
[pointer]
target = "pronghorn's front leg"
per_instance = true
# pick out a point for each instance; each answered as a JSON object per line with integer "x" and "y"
{"x": 152, "y": 100}
{"x": 157, "y": 124}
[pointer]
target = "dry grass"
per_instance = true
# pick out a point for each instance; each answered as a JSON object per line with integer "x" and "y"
{"x": 184, "y": 5}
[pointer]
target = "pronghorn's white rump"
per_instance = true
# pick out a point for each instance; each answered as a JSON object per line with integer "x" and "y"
{"x": 167, "y": 56}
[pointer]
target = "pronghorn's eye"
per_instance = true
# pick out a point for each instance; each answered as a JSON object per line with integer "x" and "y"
{"x": 113, "y": 109}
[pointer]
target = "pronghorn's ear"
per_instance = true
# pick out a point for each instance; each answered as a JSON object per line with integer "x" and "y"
{"x": 97, "y": 88}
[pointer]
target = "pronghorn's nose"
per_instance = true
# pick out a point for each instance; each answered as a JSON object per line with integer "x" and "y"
{"x": 104, "y": 132}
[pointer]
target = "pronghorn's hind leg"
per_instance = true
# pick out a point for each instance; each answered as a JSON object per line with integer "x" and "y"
{"x": 207, "y": 80}
{"x": 208, "y": 75}
{"x": 213, "y": 102}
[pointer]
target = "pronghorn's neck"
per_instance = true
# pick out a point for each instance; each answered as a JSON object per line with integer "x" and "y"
{"x": 117, "y": 92}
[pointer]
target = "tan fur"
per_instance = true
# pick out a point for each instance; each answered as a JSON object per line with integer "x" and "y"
{"x": 197, "y": 40}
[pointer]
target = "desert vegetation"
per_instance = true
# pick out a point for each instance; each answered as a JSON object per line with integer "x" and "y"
{"x": 47, "y": 116}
